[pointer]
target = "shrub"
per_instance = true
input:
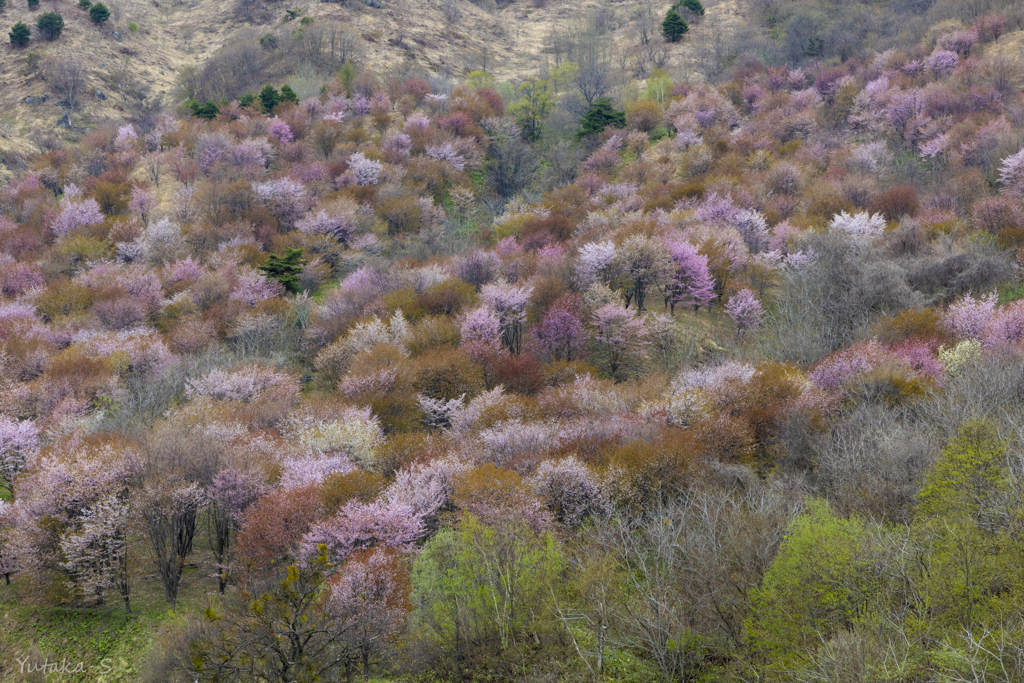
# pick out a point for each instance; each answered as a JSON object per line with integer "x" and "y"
{"x": 895, "y": 202}
{"x": 33, "y": 4}
{"x": 50, "y": 25}
{"x": 62, "y": 299}
{"x": 20, "y": 34}
{"x": 433, "y": 332}
{"x": 99, "y": 13}
{"x": 522, "y": 374}
{"x": 448, "y": 373}
{"x": 447, "y": 297}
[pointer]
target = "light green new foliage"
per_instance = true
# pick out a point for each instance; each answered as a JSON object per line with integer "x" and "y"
{"x": 963, "y": 499}
{"x": 968, "y": 474}
{"x": 486, "y": 587}
{"x": 534, "y": 104}
{"x": 815, "y": 585}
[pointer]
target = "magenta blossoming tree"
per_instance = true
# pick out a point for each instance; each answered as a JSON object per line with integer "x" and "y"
{"x": 746, "y": 311}
{"x": 561, "y": 335}
{"x": 691, "y": 281}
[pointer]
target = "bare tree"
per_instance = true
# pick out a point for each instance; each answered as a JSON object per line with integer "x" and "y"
{"x": 67, "y": 76}
{"x": 170, "y": 510}
{"x": 451, "y": 11}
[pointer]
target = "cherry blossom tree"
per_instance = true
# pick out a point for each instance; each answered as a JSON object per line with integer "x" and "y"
{"x": 142, "y": 202}
{"x": 691, "y": 282}
{"x": 571, "y": 491}
{"x": 363, "y": 525}
{"x": 620, "y": 341}
{"x": 18, "y": 443}
{"x": 96, "y": 554}
{"x": 746, "y": 311}
{"x": 508, "y": 302}
{"x": 369, "y": 598}
{"x": 337, "y": 224}
{"x": 596, "y": 263}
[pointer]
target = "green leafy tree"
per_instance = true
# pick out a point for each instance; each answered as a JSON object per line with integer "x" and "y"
{"x": 50, "y": 25}
{"x": 965, "y": 502}
{"x": 534, "y": 105}
{"x": 288, "y": 95}
{"x": 815, "y": 586}
{"x": 33, "y": 4}
{"x": 659, "y": 86}
{"x": 20, "y": 34}
{"x": 347, "y": 76}
{"x": 482, "y": 590}
{"x": 269, "y": 97}
{"x": 99, "y": 13}
{"x": 601, "y": 115}
{"x": 85, "y": 4}
{"x": 3, "y": 4}
{"x": 674, "y": 26}
{"x": 286, "y": 269}
{"x": 246, "y": 100}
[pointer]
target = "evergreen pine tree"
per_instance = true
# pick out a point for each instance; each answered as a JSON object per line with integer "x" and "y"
{"x": 20, "y": 34}
{"x": 288, "y": 95}
{"x": 286, "y": 269}
{"x": 674, "y": 26}
{"x": 600, "y": 115}
{"x": 269, "y": 97}
{"x": 99, "y": 13}
{"x": 50, "y": 25}
{"x": 694, "y": 6}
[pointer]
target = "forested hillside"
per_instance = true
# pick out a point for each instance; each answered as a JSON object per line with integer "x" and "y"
{"x": 681, "y": 356}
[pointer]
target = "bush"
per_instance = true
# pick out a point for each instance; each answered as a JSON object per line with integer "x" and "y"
{"x": 50, "y": 25}
{"x": 895, "y": 202}
{"x": 434, "y": 332}
{"x": 448, "y": 373}
{"x": 62, "y": 299}
{"x": 85, "y": 4}
{"x": 33, "y": 4}
{"x": 20, "y": 34}
{"x": 447, "y": 297}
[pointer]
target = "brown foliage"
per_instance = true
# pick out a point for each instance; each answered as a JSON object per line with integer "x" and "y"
{"x": 895, "y": 202}
{"x": 340, "y": 488}
{"x": 522, "y": 374}
{"x": 447, "y": 373}
{"x": 447, "y": 297}
{"x": 273, "y": 526}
